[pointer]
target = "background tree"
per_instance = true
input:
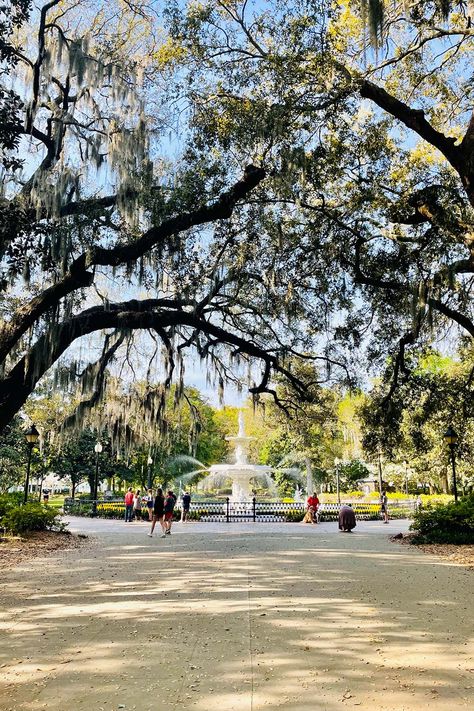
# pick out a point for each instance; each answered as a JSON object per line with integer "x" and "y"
{"x": 437, "y": 392}
{"x": 13, "y": 454}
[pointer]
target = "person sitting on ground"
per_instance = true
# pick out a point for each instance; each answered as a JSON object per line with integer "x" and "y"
{"x": 186, "y": 502}
{"x": 170, "y": 502}
{"x": 158, "y": 512}
{"x": 384, "y": 506}
{"x": 347, "y": 519}
{"x": 312, "y": 508}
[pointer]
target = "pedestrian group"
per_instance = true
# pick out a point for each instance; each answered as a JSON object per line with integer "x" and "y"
{"x": 160, "y": 508}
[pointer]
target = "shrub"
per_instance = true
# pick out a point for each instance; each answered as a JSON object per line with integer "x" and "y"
{"x": 6, "y": 503}
{"x": 452, "y": 523}
{"x": 194, "y": 516}
{"x": 31, "y": 517}
{"x": 294, "y": 516}
{"x": 112, "y": 509}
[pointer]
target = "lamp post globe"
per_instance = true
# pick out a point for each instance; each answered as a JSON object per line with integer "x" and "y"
{"x": 31, "y": 436}
{"x": 451, "y": 438}
{"x": 97, "y": 449}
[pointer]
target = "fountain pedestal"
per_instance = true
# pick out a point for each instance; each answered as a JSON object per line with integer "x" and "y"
{"x": 241, "y": 472}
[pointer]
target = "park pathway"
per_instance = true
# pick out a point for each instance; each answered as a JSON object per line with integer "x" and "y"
{"x": 237, "y": 617}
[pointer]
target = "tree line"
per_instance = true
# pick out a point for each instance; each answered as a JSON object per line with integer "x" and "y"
{"x": 338, "y": 428}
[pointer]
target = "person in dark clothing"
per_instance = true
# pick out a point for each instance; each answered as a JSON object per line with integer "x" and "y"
{"x": 170, "y": 502}
{"x": 384, "y": 506}
{"x": 186, "y": 499}
{"x": 347, "y": 519}
{"x": 158, "y": 512}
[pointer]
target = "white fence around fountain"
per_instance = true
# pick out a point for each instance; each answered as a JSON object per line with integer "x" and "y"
{"x": 261, "y": 511}
{"x": 226, "y": 510}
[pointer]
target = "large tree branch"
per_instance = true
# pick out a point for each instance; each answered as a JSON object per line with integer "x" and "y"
{"x": 79, "y": 275}
{"x": 407, "y": 339}
{"x": 412, "y": 118}
{"x": 27, "y": 315}
{"x": 221, "y": 209}
{"x": 39, "y": 62}
{"x": 20, "y": 382}
{"x": 461, "y": 157}
{"x": 453, "y": 315}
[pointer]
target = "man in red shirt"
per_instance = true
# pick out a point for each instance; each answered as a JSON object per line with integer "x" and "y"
{"x": 313, "y": 505}
{"x": 129, "y": 505}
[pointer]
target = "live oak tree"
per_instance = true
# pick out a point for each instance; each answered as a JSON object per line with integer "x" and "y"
{"x": 350, "y": 226}
{"x": 368, "y": 140}
{"x": 107, "y": 228}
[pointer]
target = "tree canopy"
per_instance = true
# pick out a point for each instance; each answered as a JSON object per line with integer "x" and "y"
{"x": 259, "y": 183}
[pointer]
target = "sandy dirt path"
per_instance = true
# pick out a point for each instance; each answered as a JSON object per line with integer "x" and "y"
{"x": 242, "y": 617}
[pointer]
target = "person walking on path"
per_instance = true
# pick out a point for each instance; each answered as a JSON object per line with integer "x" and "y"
{"x": 158, "y": 512}
{"x": 149, "y": 504}
{"x": 170, "y": 502}
{"x": 384, "y": 506}
{"x": 347, "y": 519}
{"x": 137, "y": 505}
{"x": 129, "y": 505}
{"x": 186, "y": 502}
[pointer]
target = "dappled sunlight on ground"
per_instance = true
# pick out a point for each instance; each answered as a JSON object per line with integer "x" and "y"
{"x": 238, "y": 617}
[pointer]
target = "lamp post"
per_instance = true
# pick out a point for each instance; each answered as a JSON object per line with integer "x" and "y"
{"x": 451, "y": 437}
{"x": 149, "y": 462}
{"x": 97, "y": 450}
{"x": 32, "y": 436}
{"x": 337, "y": 461}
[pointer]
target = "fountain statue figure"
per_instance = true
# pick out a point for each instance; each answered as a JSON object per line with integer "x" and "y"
{"x": 298, "y": 495}
{"x": 241, "y": 473}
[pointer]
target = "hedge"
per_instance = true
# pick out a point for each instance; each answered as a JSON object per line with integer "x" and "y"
{"x": 30, "y": 517}
{"x": 452, "y": 523}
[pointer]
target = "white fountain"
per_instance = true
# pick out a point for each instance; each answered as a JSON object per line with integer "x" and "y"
{"x": 241, "y": 473}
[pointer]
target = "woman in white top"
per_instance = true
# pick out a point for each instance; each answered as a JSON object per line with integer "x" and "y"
{"x": 137, "y": 505}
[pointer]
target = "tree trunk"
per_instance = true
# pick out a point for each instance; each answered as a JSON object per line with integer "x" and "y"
{"x": 444, "y": 482}
{"x": 309, "y": 476}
